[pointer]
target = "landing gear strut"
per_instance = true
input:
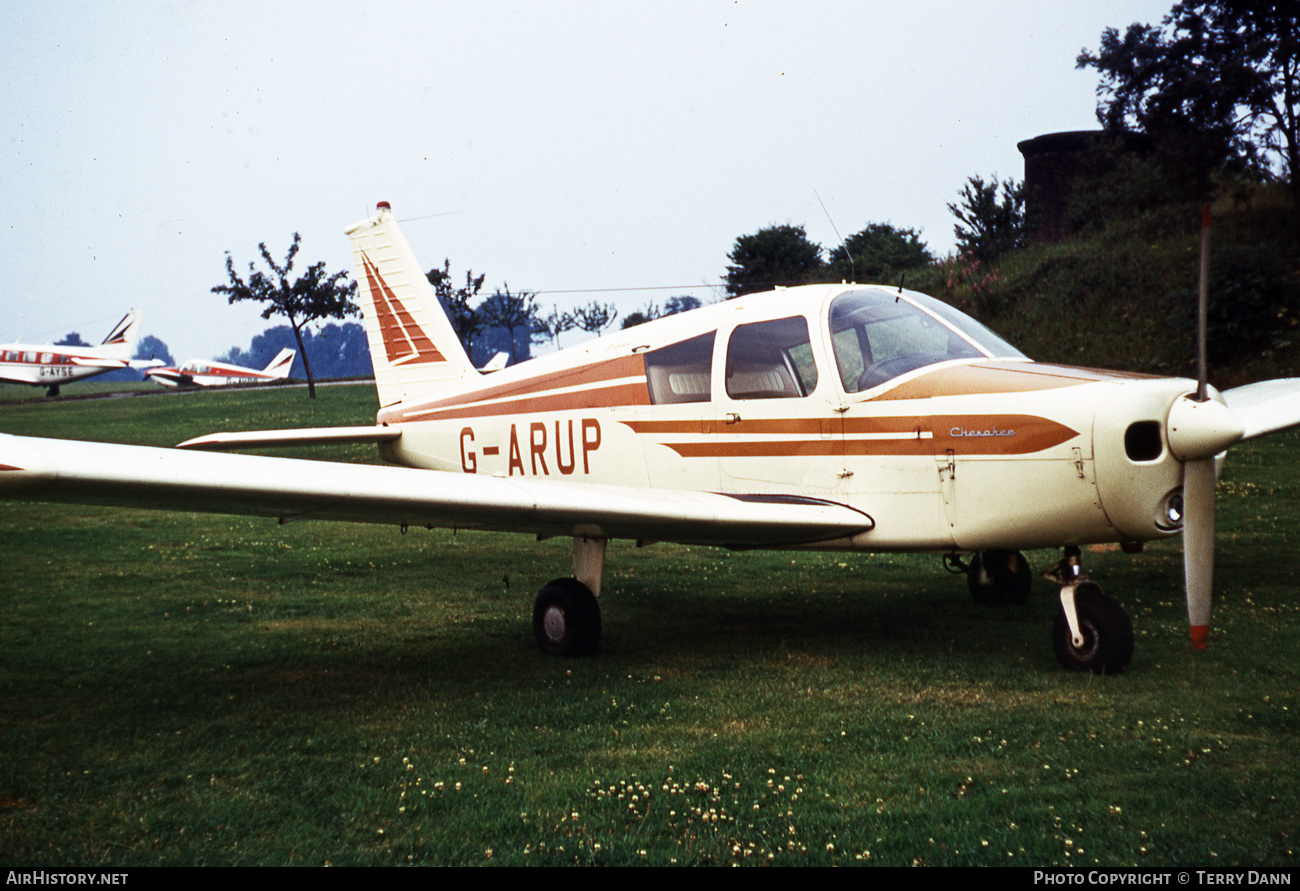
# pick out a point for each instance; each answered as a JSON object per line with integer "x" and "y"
{"x": 1091, "y": 632}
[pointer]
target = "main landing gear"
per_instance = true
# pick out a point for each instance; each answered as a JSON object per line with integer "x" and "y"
{"x": 999, "y": 577}
{"x": 1091, "y": 631}
{"x": 566, "y": 616}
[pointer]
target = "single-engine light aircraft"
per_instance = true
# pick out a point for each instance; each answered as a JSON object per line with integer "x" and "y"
{"x": 843, "y": 417}
{"x": 52, "y": 365}
{"x": 201, "y": 373}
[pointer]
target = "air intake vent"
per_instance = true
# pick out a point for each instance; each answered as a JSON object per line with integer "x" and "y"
{"x": 1142, "y": 441}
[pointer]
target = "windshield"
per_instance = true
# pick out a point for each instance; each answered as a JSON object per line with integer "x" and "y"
{"x": 878, "y": 335}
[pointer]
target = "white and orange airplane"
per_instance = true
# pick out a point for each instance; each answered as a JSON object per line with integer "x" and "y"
{"x": 844, "y": 417}
{"x": 201, "y": 373}
{"x": 51, "y": 365}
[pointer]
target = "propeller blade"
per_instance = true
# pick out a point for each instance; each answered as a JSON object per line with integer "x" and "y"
{"x": 1197, "y": 433}
{"x": 1198, "y": 545}
{"x": 1199, "y": 428}
{"x": 1202, "y": 307}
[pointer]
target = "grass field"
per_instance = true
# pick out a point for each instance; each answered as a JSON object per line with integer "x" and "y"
{"x": 193, "y": 689}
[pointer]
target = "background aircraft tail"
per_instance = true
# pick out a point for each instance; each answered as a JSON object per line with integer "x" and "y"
{"x": 280, "y": 365}
{"x": 121, "y": 341}
{"x": 414, "y": 349}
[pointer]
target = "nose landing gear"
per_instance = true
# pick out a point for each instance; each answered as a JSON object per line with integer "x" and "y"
{"x": 1091, "y": 632}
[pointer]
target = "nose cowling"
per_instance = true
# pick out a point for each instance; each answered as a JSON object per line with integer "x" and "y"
{"x": 1139, "y": 478}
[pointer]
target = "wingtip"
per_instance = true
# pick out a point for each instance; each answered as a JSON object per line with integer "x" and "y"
{"x": 1200, "y": 636}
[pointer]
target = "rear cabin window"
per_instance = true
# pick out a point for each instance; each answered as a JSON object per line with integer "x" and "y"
{"x": 771, "y": 360}
{"x": 680, "y": 373}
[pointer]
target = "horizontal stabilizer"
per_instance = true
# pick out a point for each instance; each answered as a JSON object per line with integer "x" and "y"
{"x": 138, "y": 476}
{"x": 1266, "y": 407}
{"x": 98, "y": 362}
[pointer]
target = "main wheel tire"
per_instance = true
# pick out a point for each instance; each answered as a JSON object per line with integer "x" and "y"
{"x": 566, "y": 619}
{"x": 1107, "y": 633}
{"x": 1000, "y": 577}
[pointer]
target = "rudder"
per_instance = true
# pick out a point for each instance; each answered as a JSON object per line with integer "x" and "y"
{"x": 122, "y": 339}
{"x": 279, "y": 367}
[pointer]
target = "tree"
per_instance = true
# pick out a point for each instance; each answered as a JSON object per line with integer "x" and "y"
{"x": 556, "y": 324}
{"x": 1216, "y": 84}
{"x": 336, "y": 350}
{"x": 150, "y": 347}
{"x": 514, "y": 312}
{"x": 989, "y": 226}
{"x": 681, "y": 303}
{"x": 776, "y": 255}
{"x": 594, "y": 317}
{"x": 72, "y": 338}
{"x": 465, "y": 320}
{"x": 311, "y": 297}
{"x": 347, "y": 348}
{"x": 878, "y": 253}
{"x": 641, "y": 316}
{"x": 672, "y": 306}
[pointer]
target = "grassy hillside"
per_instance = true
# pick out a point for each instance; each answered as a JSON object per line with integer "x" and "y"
{"x": 1124, "y": 296}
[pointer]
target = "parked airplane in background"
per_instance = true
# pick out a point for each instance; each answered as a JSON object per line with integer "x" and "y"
{"x": 848, "y": 417}
{"x": 52, "y": 365}
{"x": 496, "y": 363}
{"x": 198, "y": 373}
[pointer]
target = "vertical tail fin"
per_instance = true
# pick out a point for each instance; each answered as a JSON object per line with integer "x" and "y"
{"x": 122, "y": 339}
{"x": 414, "y": 350}
{"x": 280, "y": 365}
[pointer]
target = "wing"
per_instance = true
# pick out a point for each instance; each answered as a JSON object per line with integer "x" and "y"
{"x": 302, "y": 436}
{"x": 138, "y": 476}
{"x": 1266, "y": 407}
{"x": 168, "y": 377}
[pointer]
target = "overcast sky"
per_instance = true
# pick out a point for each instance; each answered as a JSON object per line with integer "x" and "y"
{"x": 554, "y": 146}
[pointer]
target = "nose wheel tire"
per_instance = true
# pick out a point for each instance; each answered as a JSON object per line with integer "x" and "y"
{"x": 566, "y": 619}
{"x": 1107, "y": 633}
{"x": 999, "y": 577}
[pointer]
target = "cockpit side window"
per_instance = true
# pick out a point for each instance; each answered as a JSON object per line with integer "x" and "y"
{"x": 876, "y": 336}
{"x": 680, "y": 372}
{"x": 771, "y": 360}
